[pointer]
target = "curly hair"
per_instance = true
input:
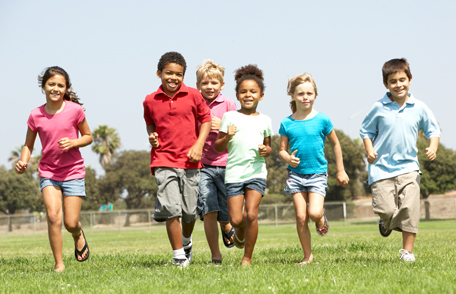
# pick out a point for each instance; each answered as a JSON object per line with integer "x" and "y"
{"x": 249, "y": 72}
{"x": 171, "y": 57}
{"x": 395, "y": 65}
{"x": 55, "y": 70}
{"x": 211, "y": 69}
{"x": 296, "y": 81}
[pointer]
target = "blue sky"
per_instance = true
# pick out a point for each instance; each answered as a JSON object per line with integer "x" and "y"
{"x": 111, "y": 50}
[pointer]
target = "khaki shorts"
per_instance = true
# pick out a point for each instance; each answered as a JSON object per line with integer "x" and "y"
{"x": 397, "y": 202}
{"x": 177, "y": 193}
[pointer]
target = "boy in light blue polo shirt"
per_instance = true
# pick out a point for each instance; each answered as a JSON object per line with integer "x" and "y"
{"x": 389, "y": 132}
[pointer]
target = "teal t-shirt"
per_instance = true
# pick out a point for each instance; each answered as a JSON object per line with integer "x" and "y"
{"x": 308, "y": 136}
{"x": 244, "y": 161}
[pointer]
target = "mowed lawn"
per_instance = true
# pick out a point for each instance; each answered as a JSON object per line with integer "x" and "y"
{"x": 350, "y": 259}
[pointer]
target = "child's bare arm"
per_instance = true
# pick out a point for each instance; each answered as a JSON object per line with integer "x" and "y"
{"x": 85, "y": 139}
{"x": 224, "y": 138}
{"x": 291, "y": 159}
{"x": 265, "y": 149}
{"x": 22, "y": 163}
{"x": 196, "y": 151}
{"x": 431, "y": 151}
{"x": 153, "y": 136}
{"x": 371, "y": 154}
{"x": 341, "y": 176}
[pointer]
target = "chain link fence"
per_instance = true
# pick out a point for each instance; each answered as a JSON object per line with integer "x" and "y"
{"x": 141, "y": 220}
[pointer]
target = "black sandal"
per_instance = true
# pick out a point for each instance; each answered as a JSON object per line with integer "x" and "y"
{"x": 227, "y": 236}
{"x": 80, "y": 253}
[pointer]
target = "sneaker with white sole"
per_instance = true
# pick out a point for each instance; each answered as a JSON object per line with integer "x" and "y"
{"x": 180, "y": 262}
{"x": 381, "y": 228}
{"x": 188, "y": 251}
{"x": 407, "y": 256}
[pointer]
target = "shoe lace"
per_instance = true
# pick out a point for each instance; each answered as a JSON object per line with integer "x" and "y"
{"x": 403, "y": 253}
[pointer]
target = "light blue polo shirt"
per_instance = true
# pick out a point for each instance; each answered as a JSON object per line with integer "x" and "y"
{"x": 394, "y": 132}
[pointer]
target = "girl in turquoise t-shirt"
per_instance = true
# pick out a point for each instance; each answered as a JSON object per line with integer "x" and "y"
{"x": 304, "y": 133}
{"x": 247, "y": 134}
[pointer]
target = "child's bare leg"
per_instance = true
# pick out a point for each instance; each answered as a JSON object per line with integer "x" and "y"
{"x": 252, "y": 202}
{"x": 52, "y": 197}
{"x": 173, "y": 228}
{"x": 235, "y": 205}
{"x": 72, "y": 205}
{"x": 315, "y": 210}
{"x": 302, "y": 218}
{"x": 187, "y": 229}
{"x": 212, "y": 234}
{"x": 408, "y": 241}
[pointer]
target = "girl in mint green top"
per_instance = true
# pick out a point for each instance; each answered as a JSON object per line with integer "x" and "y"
{"x": 247, "y": 134}
{"x": 304, "y": 132}
{"x": 244, "y": 160}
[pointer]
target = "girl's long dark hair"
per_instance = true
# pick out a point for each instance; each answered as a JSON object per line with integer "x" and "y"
{"x": 55, "y": 70}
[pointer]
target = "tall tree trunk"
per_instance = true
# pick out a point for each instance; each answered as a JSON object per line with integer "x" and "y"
{"x": 427, "y": 208}
{"x": 10, "y": 224}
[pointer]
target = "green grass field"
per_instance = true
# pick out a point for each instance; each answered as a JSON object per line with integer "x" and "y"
{"x": 351, "y": 259}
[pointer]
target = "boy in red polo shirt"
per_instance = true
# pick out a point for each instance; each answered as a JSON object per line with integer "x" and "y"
{"x": 172, "y": 114}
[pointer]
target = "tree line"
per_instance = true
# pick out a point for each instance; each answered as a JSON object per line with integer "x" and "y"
{"x": 128, "y": 183}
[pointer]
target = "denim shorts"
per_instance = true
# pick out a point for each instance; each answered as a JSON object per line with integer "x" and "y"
{"x": 235, "y": 189}
{"x": 212, "y": 193}
{"x": 177, "y": 193}
{"x": 316, "y": 183}
{"x": 74, "y": 187}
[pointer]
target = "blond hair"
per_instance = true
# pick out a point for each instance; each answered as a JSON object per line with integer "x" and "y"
{"x": 211, "y": 70}
{"x": 296, "y": 81}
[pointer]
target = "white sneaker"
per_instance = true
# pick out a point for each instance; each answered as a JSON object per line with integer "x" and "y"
{"x": 180, "y": 262}
{"x": 188, "y": 251}
{"x": 407, "y": 256}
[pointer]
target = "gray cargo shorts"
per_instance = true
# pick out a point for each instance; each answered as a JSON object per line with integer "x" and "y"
{"x": 177, "y": 193}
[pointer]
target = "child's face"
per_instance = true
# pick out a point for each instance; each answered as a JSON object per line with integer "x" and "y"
{"x": 55, "y": 88}
{"x": 398, "y": 84}
{"x": 210, "y": 87}
{"x": 249, "y": 94}
{"x": 304, "y": 95}
{"x": 171, "y": 77}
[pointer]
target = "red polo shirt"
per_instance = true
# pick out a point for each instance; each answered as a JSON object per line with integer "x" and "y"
{"x": 176, "y": 122}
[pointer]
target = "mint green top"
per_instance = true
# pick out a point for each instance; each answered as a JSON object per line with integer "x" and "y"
{"x": 244, "y": 160}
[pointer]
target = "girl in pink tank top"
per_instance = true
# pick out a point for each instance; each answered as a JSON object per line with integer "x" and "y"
{"x": 61, "y": 168}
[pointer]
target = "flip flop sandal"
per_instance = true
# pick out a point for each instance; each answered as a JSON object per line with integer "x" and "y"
{"x": 78, "y": 253}
{"x": 325, "y": 226}
{"x": 238, "y": 243}
{"x": 227, "y": 236}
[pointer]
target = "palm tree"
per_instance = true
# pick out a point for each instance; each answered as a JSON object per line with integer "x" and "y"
{"x": 15, "y": 155}
{"x": 105, "y": 142}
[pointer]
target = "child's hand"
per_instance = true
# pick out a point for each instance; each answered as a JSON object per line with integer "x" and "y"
{"x": 153, "y": 140}
{"x": 231, "y": 131}
{"x": 216, "y": 123}
{"x": 21, "y": 167}
{"x": 65, "y": 144}
{"x": 371, "y": 157}
{"x": 342, "y": 178}
{"x": 430, "y": 153}
{"x": 263, "y": 150}
{"x": 195, "y": 153}
{"x": 294, "y": 161}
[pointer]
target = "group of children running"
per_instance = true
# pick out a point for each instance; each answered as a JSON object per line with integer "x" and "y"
{"x": 208, "y": 158}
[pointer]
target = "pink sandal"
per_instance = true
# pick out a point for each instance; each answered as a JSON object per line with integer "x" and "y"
{"x": 325, "y": 226}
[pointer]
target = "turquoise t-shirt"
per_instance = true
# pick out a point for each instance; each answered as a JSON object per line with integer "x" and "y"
{"x": 308, "y": 136}
{"x": 244, "y": 161}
